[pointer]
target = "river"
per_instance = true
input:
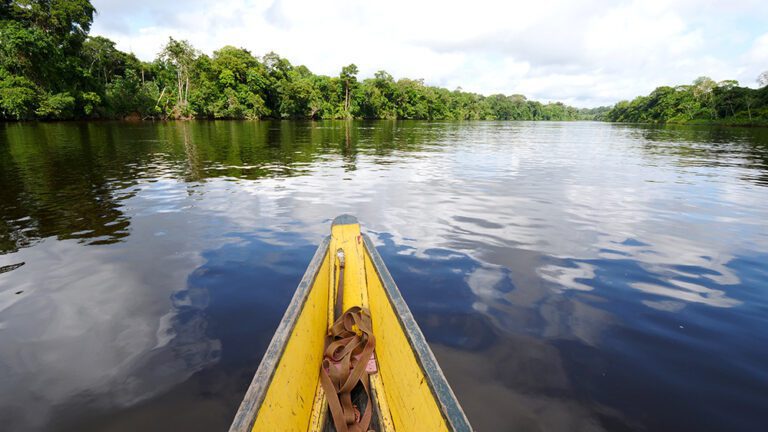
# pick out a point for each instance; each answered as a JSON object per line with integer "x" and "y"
{"x": 568, "y": 276}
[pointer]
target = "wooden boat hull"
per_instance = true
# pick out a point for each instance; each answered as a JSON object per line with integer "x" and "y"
{"x": 409, "y": 390}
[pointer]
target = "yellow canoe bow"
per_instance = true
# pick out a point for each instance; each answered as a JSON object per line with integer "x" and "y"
{"x": 409, "y": 390}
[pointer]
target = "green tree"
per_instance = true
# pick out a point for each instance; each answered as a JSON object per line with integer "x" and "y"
{"x": 56, "y": 106}
{"x": 703, "y": 101}
{"x": 127, "y": 95}
{"x": 725, "y": 97}
{"x": 19, "y": 97}
{"x": 378, "y": 95}
{"x": 104, "y": 61}
{"x": 180, "y": 55}
{"x": 702, "y": 91}
{"x": 235, "y": 83}
{"x": 41, "y": 40}
{"x": 348, "y": 76}
{"x": 51, "y": 69}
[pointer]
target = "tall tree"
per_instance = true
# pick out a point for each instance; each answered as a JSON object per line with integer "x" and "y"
{"x": 349, "y": 77}
{"x": 181, "y": 55}
{"x": 103, "y": 61}
{"x": 702, "y": 91}
{"x": 51, "y": 69}
{"x": 40, "y": 41}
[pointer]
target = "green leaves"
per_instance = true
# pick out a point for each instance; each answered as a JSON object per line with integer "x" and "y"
{"x": 128, "y": 95}
{"x": 703, "y": 101}
{"x": 18, "y": 97}
{"x": 59, "y": 106}
{"x": 89, "y": 101}
{"x": 231, "y": 84}
{"x": 51, "y": 69}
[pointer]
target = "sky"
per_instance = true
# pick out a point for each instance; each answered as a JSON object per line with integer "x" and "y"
{"x": 584, "y": 53}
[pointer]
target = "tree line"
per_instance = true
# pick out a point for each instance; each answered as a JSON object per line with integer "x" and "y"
{"x": 50, "y": 68}
{"x": 703, "y": 101}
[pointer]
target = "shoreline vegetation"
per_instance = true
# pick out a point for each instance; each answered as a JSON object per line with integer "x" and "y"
{"x": 704, "y": 102}
{"x": 51, "y": 69}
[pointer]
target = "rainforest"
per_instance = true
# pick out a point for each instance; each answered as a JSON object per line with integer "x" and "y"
{"x": 705, "y": 101}
{"x": 51, "y": 69}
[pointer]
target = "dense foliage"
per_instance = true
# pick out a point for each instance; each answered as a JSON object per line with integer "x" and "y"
{"x": 51, "y": 69}
{"x": 704, "y": 101}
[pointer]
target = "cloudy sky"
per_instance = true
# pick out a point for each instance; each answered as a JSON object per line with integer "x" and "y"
{"x": 584, "y": 53}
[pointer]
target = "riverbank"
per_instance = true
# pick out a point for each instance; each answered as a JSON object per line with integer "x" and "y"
{"x": 702, "y": 102}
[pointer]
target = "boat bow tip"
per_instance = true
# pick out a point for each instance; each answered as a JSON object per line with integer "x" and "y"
{"x": 345, "y": 219}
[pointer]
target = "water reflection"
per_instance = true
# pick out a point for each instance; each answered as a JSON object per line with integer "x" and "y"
{"x": 68, "y": 180}
{"x": 42, "y": 195}
{"x": 501, "y": 353}
{"x": 97, "y": 330}
{"x": 712, "y": 147}
{"x": 566, "y": 274}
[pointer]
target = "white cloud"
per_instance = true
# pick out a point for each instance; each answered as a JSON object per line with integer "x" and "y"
{"x": 585, "y": 53}
{"x": 758, "y": 53}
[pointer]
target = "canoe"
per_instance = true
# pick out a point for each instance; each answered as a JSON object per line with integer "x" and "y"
{"x": 408, "y": 391}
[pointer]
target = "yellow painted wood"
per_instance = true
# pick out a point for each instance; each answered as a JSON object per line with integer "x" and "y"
{"x": 296, "y": 402}
{"x": 347, "y": 237}
{"x": 331, "y": 276}
{"x": 385, "y": 417}
{"x": 288, "y": 403}
{"x": 319, "y": 411}
{"x": 411, "y": 402}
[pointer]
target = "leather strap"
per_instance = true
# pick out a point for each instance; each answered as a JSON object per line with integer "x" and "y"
{"x": 349, "y": 348}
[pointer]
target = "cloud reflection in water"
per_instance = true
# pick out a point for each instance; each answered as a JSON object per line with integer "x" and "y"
{"x": 562, "y": 272}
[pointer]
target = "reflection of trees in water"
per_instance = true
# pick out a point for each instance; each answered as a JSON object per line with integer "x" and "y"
{"x": 69, "y": 180}
{"x": 194, "y": 166}
{"x": 56, "y": 182}
{"x": 708, "y": 146}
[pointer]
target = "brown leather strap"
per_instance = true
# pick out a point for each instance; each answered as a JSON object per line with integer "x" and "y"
{"x": 349, "y": 348}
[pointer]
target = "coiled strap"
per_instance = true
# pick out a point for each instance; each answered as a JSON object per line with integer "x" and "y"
{"x": 348, "y": 350}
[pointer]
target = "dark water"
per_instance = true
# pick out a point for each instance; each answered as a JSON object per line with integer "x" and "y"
{"x": 568, "y": 276}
